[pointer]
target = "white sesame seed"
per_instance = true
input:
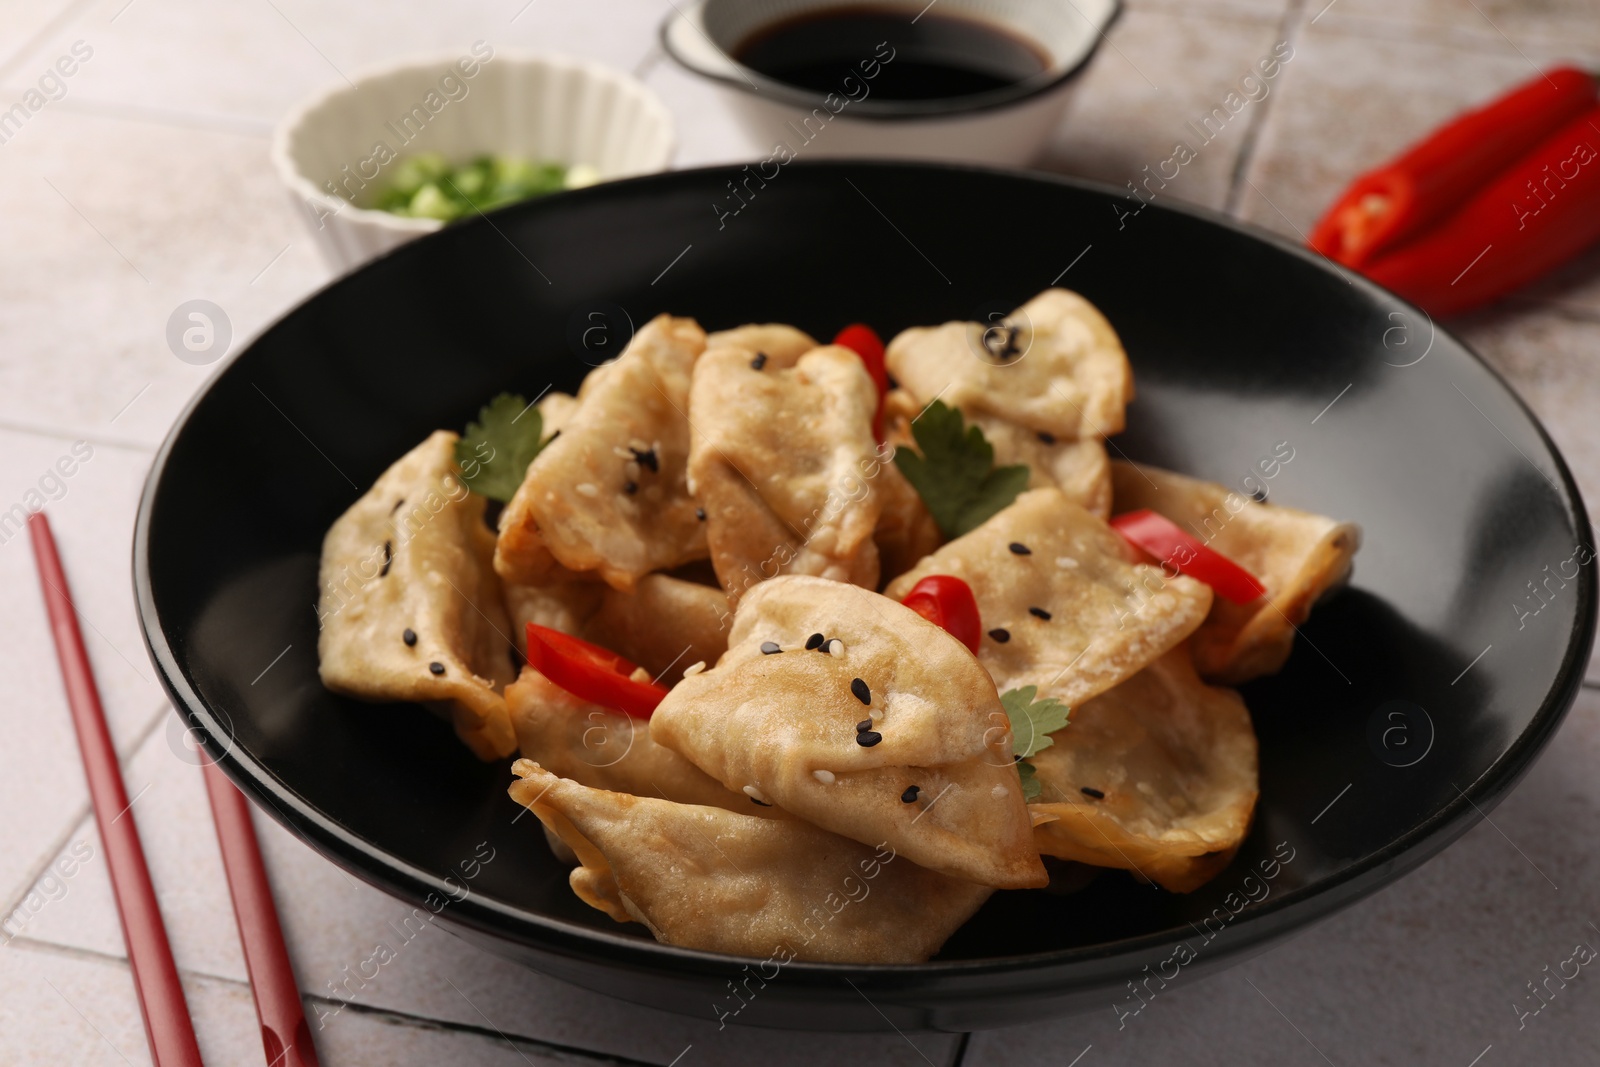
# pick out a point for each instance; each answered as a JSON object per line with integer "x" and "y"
{"x": 694, "y": 668}
{"x": 588, "y": 489}
{"x": 755, "y": 794}
{"x": 834, "y": 647}
{"x": 1066, "y": 563}
{"x": 998, "y": 791}
{"x": 621, "y": 453}
{"x": 637, "y": 445}
{"x": 825, "y": 777}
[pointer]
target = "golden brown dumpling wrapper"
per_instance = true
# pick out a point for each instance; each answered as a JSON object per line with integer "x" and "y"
{"x": 906, "y": 530}
{"x": 783, "y": 345}
{"x": 413, "y": 554}
{"x": 1061, "y": 606}
{"x": 707, "y": 878}
{"x": 1079, "y": 468}
{"x": 790, "y": 724}
{"x": 1298, "y": 556}
{"x": 1071, "y": 379}
{"x": 1176, "y": 762}
{"x": 663, "y": 623}
{"x": 630, "y": 429}
{"x": 779, "y": 460}
{"x": 607, "y": 750}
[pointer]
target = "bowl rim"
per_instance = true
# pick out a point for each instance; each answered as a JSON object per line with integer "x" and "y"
{"x": 334, "y": 93}
{"x": 748, "y": 80}
{"x": 1254, "y": 925}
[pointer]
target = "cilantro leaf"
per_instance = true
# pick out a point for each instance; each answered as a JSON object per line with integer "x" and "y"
{"x": 495, "y": 451}
{"x": 1032, "y": 721}
{"x": 955, "y": 475}
{"x": 1031, "y": 786}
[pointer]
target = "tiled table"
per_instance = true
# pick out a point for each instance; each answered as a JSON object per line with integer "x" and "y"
{"x": 147, "y": 185}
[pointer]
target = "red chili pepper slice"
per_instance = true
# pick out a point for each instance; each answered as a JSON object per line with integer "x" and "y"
{"x": 1166, "y": 541}
{"x": 864, "y": 341}
{"x": 1540, "y": 213}
{"x": 947, "y": 602}
{"x": 1434, "y": 178}
{"x": 590, "y": 672}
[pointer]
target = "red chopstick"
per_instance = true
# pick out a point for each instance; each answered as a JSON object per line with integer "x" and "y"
{"x": 167, "y": 1025}
{"x": 283, "y": 1020}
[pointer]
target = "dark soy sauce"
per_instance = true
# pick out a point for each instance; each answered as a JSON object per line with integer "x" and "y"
{"x": 937, "y": 57}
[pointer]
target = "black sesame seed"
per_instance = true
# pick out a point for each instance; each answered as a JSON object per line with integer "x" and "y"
{"x": 647, "y": 458}
{"x": 759, "y": 362}
{"x": 769, "y": 648}
{"x": 409, "y": 637}
{"x": 910, "y": 795}
{"x": 1016, "y": 759}
{"x": 552, "y": 437}
{"x": 859, "y": 688}
{"x": 1039, "y": 613}
{"x": 388, "y": 558}
{"x": 630, "y": 488}
{"x": 1047, "y": 437}
{"x": 893, "y": 384}
{"x": 863, "y": 726}
{"x": 868, "y": 738}
{"x": 436, "y": 667}
{"x": 763, "y": 803}
{"x": 1000, "y": 635}
{"x": 1091, "y": 791}
{"x": 815, "y": 641}
{"x": 1020, "y": 549}
{"x": 700, "y": 513}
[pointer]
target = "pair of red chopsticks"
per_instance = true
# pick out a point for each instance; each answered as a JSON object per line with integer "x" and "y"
{"x": 1487, "y": 203}
{"x": 167, "y": 1025}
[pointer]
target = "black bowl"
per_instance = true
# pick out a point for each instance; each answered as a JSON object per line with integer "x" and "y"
{"x": 1414, "y": 700}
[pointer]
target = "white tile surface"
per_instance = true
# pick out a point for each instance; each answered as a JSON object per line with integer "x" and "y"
{"x": 161, "y": 194}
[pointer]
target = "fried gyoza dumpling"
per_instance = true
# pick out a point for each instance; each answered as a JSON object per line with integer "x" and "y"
{"x": 782, "y": 345}
{"x": 883, "y": 729}
{"x": 410, "y": 606}
{"x": 664, "y": 621}
{"x": 1157, "y": 776}
{"x": 1061, "y": 606}
{"x": 1080, "y": 468}
{"x": 1298, "y": 556}
{"x": 1057, "y": 367}
{"x": 779, "y": 460}
{"x": 607, "y": 750}
{"x": 706, "y": 878}
{"x": 609, "y": 494}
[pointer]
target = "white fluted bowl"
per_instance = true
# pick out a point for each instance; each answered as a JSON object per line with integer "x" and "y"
{"x": 337, "y": 150}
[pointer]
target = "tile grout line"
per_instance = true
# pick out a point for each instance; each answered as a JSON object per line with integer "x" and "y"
{"x": 10, "y": 426}
{"x": 238, "y": 126}
{"x": 1289, "y": 27}
{"x": 80, "y": 813}
{"x": 390, "y": 1015}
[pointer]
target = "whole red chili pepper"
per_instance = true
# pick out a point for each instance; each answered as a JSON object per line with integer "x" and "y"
{"x": 947, "y": 602}
{"x": 1532, "y": 218}
{"x": 1384, "y": 207}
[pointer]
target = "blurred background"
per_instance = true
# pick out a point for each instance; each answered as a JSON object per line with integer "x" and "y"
{"x": 138, "y": 189}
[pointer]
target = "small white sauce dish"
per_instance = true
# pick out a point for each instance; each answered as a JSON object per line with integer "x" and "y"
{"x": 1007, "y": 127}
{"x": 337, "y": 150}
